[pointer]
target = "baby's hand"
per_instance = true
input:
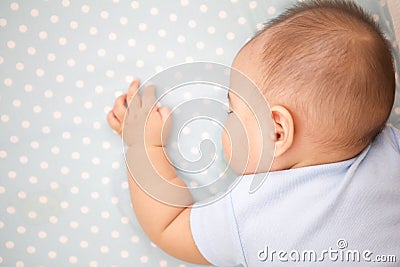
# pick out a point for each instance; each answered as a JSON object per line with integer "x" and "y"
{"x": 145, "y": 117}
{"x": 116, "y": 116}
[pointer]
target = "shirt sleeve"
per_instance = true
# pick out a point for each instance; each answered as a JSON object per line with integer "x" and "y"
{"x": 215, "y": 232}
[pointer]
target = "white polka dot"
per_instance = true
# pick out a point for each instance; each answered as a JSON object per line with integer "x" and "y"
{"x": 33, "y": 180}
{"x": 139, "y": 63}
{"x": 219, "y": 51}
{"x": 63, "y": 239}
{"x": 5, "y": 118}
{"x": 96, "y": 125}
{"x": 34, "y": 12}
{"x": 135, "y": 5}
{"x": 124, "y": 254}
{"x": 3, "y": 22}
{"x": 151, "y": 48}
{"x": 28, "y": 88}
{"x": 74, "y": 190}
{"x": 93, "y": 30}
{"x": 83, "y": 244}
{"x": 57, "y": 114}
{"x": 12, "y": 174}
{"x": 11, "y": 44}
{"x": 241, "y": 20}
{"x": 85, "y": 175}
{"x": 3, "y": 154}
{"x": 120, "y": 58}
{"x": 123, "y": 20}
{"x": 94, "y": 229}
{"x": 142, "y": 26}
{"x": 101, "y": 52}
{"x": 86, "y": 140}
{"x": 154, "y": 11}
{"x": 51, "y": 57}
{"x": 397, "y": 110}
{"x": 1, "y": 60}
{"x": 44, "y": 165}
{"x": 184, "y": 2}
{"x": 16, "y": 103}
{"x": 35, "y": 145}
{"x": 192, "y": 23}
{"x": 163, "y": 263}
{"x": 23, "y": 159}
{"x": 73, "y": 259}
{"x": 64, "y": 204}
{"x": 105, "y": 214}
{"x": 115, "y": 234}
{"x": 43, "y": 35}
{"x": 253, "y": 4}
{"x": 230, "y": 36}
{"x": 203, "y": 8}
{"x": 110, "y": 73}
{"x": 59, "y": 78}
{"x": 54, "y": 185}
{"x": 43, "y": 200}
{"x": 114, "y": 200}
{"x": 85, "y": 8}
{"x": 37, "y": 109}
{"x": 115, "y": 165}
{"x": 84, "y": 209}
{"x": 271, "y": 10}
{"x": 20, "y": 230}
{"x": 8, "y": 82}
{"x": 259, "y": 26}
{"x": 104, "y": 15}
{"x": 21, "y": 195}
{"x": 68, "y": 99}
{"x": 64, "y": 170}
{"x": 222, "y": 14}
{"x": 186, "y": 130}
{"x": 104, "y": 249}
{"x": 95, "y": 195}
{"x": 173, "y": 17}
{"x": 144, "y": 259}
{"x": 65, "y": 3}
{"x": 124, "y": 220}
{"x": 70, "y": 62}
{"x": 181, "y": 39}
{"x": 9, "y": 244}
{"x": 2, "y": 191}
{"x": 73, "y": 224}
{"x": 62, "y": 41}
{"x": 52, "y": 254}
{"x": 48, "y": 93}
{"x": 54, "y": 19}
{"x": 55, "y": 150}
{"x": 161, "y": 33}
{"x": 82, "y": 47}
{"x": 32, "y": 214}
{"x": 73, "y": 24}
{"x": 112, "y": 36}
{"x": 53, "y": 219}
{"x": 170, "y": 54}
{"x": 14, "y": 139}
{"x": 40, "y": 72}
{"x": 211, "y": 30}
{"x": 46, "y": 129}
{"x": 131, "y": 42}
{"x": 23, "y": 28}
{"x": 42, "y": 234}
{"x": 14, "y": 6}
{"x": 31, "y": 249}
{"x": 135, "y": 239}
{"x": 105, "y": 180}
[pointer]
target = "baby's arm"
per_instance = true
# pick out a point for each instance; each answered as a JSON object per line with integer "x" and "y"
{"x": 167, "y": 226}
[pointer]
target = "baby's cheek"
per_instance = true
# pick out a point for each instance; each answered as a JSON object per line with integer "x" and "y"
{"x": 226, "y": 145}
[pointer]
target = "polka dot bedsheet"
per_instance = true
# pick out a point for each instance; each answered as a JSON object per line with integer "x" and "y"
{"x": 64, "y": 198}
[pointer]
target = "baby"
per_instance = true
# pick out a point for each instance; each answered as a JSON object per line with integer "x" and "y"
{"x": 333, "y": 193}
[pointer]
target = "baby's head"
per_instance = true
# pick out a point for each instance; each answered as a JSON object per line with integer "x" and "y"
{"x": 327, "y": 73}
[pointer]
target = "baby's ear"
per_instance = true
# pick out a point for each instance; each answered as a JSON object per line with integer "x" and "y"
{"x": 284, "y": 129}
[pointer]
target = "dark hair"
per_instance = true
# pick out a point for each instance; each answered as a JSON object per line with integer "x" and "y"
{"x": 329, "y": 61}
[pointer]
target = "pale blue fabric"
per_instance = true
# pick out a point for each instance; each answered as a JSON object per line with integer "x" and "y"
{"x": 64, "y": 196}
{"x": 309, "y": 208}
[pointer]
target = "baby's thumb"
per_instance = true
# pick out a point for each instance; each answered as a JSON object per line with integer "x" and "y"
{"x": 167, "y": 123}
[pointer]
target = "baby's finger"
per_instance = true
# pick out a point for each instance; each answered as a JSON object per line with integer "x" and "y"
{"x": 114, "y": 123}
{"x": 119, "y": 107}
{"x": 149, "y": 97}
{"x": 133, "y": 95}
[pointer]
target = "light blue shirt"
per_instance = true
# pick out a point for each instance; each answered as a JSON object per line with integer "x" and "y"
{"x": 340, "y": 214}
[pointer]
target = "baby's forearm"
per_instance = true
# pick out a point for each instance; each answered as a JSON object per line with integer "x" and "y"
{"x": 153, "y": 215}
